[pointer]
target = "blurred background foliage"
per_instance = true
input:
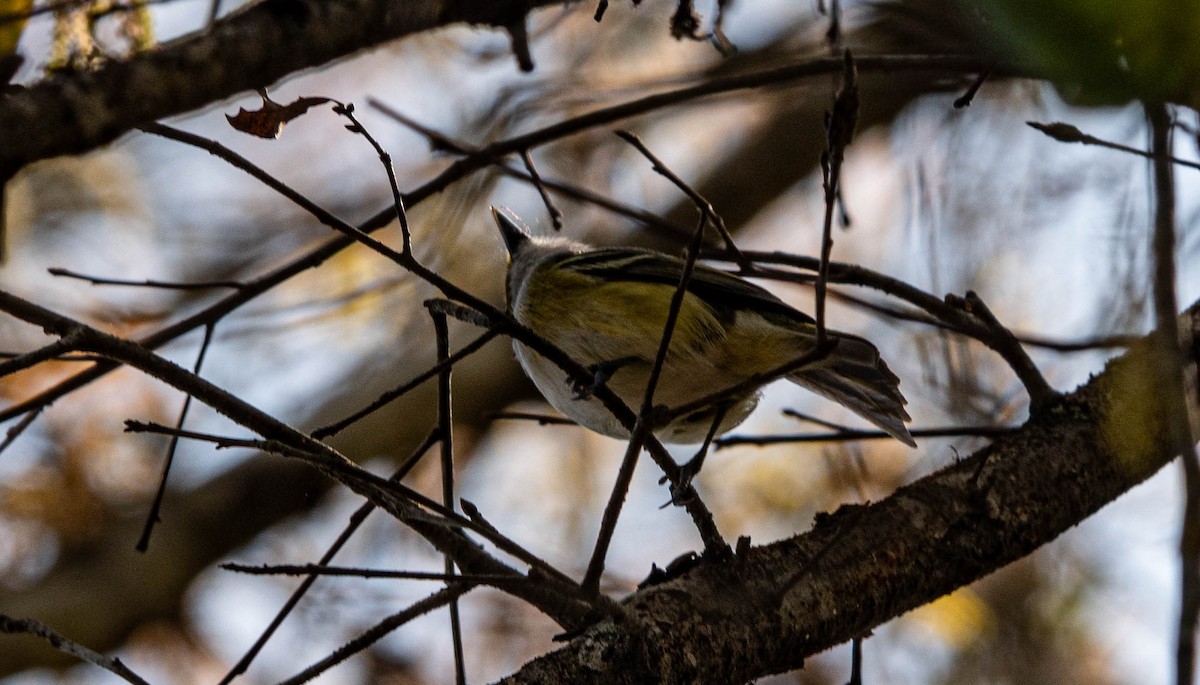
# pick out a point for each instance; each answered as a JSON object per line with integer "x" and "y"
{"x": 1053, "y": 236}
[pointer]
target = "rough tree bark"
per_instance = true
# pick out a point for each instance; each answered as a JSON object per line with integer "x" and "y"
{"x": 766, "y": 610}
{"x": 73, "y": 112}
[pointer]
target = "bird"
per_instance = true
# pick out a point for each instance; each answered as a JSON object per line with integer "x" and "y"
{"x": 606, "y": 308}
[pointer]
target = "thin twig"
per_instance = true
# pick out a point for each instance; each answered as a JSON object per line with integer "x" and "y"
{"x": 644, "y": 425}
{"x": 147, "y": 283}
{"x": 403, "y": 258}
{"x": 438, "y": 141}
{"x": 505, "y": 323}
{"x": 707, "y": 211}
{"x": 856, "y": 661}
{"x": 519, "y": 40}
{"x": 839, "y": 129}
{"x": 796, "y": 414}
{"x": 323, "y": 456}
{"x": 347, "y": 110}
{"x": 214, "y": 11}
{"x": 950, "y": 310}
{"x": 854, "y": 434}
{"x": 18, "y": 428}
{"x": 1099, "y": 342}
{"x": 754, "y": 381}
{"x": 152, "y": 517}
{"x": 542, "y": 419}
{"x": 1002, "y": 340}
{"x": 1175, "y": 402}
{"x": 59, "y": 347}
{"x": 556, "y": 215}
{"x": 29, "y": 626}
{"x": 1066, "y": 133}
{"x": 352, "y": 526}
{"x": 445, "y": 424}
{"x": 966, "y": 98}
{"x": 373, "y": 635}
{"x": 74, "y": 358}
{"x": 395, "y": 393}
{"x": 343, "y": 571}
{"x": 486, "y": 156}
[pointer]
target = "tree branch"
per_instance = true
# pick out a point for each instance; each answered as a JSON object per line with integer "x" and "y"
{"x": 415, "y": 510}
{"x": 864, "y": 565}
{"x": 74, "y": 112}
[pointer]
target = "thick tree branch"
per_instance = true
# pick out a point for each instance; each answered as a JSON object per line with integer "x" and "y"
{"x": 77, "y": 111}
{"x": 767, "y": 610}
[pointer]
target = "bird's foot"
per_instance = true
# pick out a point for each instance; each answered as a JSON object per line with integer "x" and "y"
{"x": 601, "y": 373}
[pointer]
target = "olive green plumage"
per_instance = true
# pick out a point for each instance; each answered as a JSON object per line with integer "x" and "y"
{"x": 609, "y": 306}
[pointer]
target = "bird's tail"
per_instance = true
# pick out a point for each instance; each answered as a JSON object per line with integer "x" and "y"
{"x": 855, "y": 376}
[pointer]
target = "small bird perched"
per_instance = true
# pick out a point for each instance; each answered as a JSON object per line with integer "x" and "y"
{"x": 606, "y": 308}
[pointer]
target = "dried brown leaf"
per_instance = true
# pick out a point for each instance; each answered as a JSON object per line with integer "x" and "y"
{"x": 269, "y": 121}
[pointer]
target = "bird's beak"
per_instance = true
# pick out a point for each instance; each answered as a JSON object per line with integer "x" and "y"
{"x": 512, "y": 229}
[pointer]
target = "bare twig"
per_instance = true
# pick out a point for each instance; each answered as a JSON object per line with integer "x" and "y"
{"x": 965, "y": 99}
{"x": 484, "y": 157}
{"x": 542, "y": 419}
{"x": 708, "y": 213}
{"x": 438, "y": 141}
{"x": 644, "y": 424}
{"x": 856, "y": 660}
{"x": 407, "y": 260}
{"x": 18, "y": 428}
{"x": 445, "y": 424}
{"x": 1066, "y": 133}
{"x": 237, "y": 161}
{"x": 395, "y": 393}
{"x": 840, "y": 125}
{"x": 950, "y": 310}
{"x": 214, "y": 11}
{"x": 518, "y": 33}
{"x": 59, "y": 347}
{"x": 344, "y": 571}
{"x": 439, "y": 526}
{"x": 1007, "y": 346}
{"x": 29, "y": 626}
{"x": 1175, "y": 403}
{"x": 352, "y": 526}
{"x": 321, "y": 457}
{"x": 796, "y": 414}
{"x": 752, "y": 382}
{"x": 152, "y": 517}
{"x": 853, "y": 434}
{"x": 556, "y": 215}
{"x": 148, "y": 283}
{"x": 385, "y": 159}
{"x": 418, "y": 609}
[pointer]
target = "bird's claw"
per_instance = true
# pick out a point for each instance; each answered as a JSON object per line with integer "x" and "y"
{"x": 601, "y": 373}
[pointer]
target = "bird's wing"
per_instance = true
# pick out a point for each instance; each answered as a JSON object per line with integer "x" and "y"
{"x": 722, "y": 291}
